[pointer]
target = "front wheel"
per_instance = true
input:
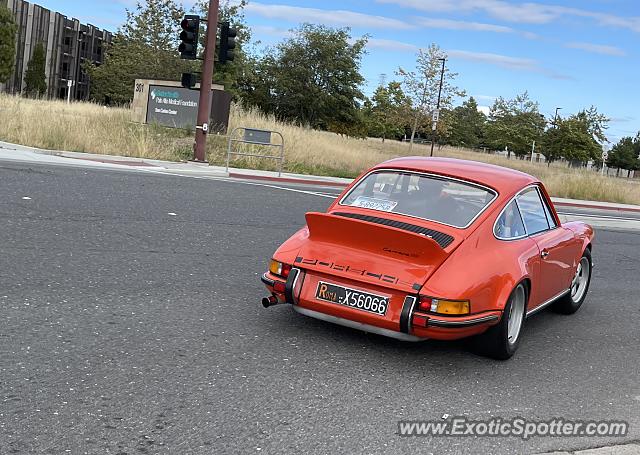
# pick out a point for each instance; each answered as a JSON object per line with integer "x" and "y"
{"x": 501, "y": 341}
{"x": 573, "y": 300}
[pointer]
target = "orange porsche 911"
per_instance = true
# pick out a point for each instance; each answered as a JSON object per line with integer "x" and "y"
{"x": 419, "y": 248}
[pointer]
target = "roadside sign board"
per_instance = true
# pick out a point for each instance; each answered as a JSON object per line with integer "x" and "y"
{"x": 605, "y": 156}
{"x": 254, "y": 136}
{"x": 175, "y": 107}
{"x": 435, "y": 116}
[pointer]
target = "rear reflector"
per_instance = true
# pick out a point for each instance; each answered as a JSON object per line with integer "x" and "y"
{"x": 419, "y": 320}
{"x": 278, "y": 286}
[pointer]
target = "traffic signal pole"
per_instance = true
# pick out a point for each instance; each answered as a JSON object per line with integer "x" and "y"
{"x": 204, "y": 103}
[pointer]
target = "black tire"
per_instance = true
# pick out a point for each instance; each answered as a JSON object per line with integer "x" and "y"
{"x": 495, "y": 342}
{"x": 571, "y": 302}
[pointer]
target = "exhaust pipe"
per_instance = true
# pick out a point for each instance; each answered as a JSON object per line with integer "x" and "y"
{"x": 269, "y": 301}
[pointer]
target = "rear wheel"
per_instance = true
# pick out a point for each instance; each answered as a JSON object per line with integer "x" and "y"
{"x": 501, "y": 341}
{"x": 572, "y": 301}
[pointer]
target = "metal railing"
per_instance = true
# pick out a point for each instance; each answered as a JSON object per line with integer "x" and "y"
{"x": 257, "y": 137}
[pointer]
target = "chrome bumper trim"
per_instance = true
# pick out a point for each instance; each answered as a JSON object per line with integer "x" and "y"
{"x": 266, "y": 280}
{"x": 467, "y": 323}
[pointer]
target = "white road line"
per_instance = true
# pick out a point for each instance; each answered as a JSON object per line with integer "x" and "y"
{"x": 611, "y": 217}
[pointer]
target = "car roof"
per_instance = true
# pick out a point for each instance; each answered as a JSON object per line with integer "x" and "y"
{"x": 501, "y": 179}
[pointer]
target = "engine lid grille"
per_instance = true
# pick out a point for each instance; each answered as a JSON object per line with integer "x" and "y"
{"x": 441, "y": 238}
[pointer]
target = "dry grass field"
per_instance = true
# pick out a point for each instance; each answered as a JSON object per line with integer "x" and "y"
{"x": 87, "y": 127}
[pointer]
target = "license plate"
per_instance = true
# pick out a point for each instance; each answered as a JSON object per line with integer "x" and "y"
{"x": 352, "y": 298}
{"x": 374, "y": 203}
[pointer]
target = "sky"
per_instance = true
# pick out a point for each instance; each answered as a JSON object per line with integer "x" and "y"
{"x": 569, "y": 54}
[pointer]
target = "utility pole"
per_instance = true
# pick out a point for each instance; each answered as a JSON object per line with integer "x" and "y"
{"x": 434, "y": 126}
{"x": 204, "y": 102}
{"x": 69, "y": 85}
{"x": 533, "y": 149}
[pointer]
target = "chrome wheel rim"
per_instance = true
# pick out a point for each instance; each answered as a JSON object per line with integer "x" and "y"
{"x": 580, "y": 280}
{"x": 516, "y": 314}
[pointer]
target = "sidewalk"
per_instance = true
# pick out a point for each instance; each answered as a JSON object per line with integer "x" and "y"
{"x": 16, "y": 152}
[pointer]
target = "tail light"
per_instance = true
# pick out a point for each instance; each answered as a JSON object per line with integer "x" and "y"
{"x": 279, "y": 268}
{"x": 442, "y": 306}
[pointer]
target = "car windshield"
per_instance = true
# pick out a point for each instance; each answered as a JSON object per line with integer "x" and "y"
{"x": 420, "y": 195}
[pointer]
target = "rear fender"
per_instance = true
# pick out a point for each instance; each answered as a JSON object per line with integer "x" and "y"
{"x": 288, "y": 251}
{"x": 582, "y": 231}
{"x": 484, "y": 270}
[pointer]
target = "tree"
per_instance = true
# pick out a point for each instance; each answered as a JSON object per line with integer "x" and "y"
{"x": 35, "y": 78}
{"x": 312, "y": 78}
{"x": 387, "y": 111}
{"x": 422, "y": 85}
{"x": 595, "y": 123}
{"x": 625, "y": 154}
{"x": 145, "y": 47}
{"x": 514, "y": 124}
{"x": 570, "y": 139}
{"x": 467, "y": 125}
{"x": 8, "y": 31}
{"x": 551, "y": 144}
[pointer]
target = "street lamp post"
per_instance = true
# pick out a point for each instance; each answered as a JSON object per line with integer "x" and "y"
{"x": 555, "y": 119}
{"x": 434, "y": 125}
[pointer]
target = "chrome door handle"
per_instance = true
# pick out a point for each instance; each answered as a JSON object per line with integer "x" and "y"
{"x": 544, "y": 254}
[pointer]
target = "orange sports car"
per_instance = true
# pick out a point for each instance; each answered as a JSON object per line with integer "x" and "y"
{"x": 419, "y": 248}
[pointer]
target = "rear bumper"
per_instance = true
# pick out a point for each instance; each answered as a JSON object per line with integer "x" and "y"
{"x": 410, "y": 326}
{"x": 357, "y": 325}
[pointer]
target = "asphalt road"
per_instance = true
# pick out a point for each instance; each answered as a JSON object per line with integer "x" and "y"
{"x": 130, "y": 323}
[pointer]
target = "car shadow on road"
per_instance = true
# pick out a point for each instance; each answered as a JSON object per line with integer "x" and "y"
{"x": 535, "y": 333}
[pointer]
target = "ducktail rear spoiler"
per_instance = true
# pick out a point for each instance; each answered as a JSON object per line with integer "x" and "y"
{"x": 377, "y": 238}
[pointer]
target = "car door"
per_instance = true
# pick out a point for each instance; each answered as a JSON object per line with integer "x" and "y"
{"x": 555, "y": 245}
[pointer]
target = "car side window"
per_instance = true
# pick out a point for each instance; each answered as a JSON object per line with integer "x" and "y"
{"x": 533, "y": 211}
{"x": 547, "y": 211}
{"x": 509, "y": 224}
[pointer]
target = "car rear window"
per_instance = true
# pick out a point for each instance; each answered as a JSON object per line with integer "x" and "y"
{"x": 425, "y": 196}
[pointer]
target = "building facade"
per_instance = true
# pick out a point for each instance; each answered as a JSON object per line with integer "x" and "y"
{"x": 67, "y": 42}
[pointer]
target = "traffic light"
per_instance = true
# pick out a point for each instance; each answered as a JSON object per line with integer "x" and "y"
{"x": 189, "y": 80}
{"x": 189, "y": 36}
{"x": 227, "y": 43}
